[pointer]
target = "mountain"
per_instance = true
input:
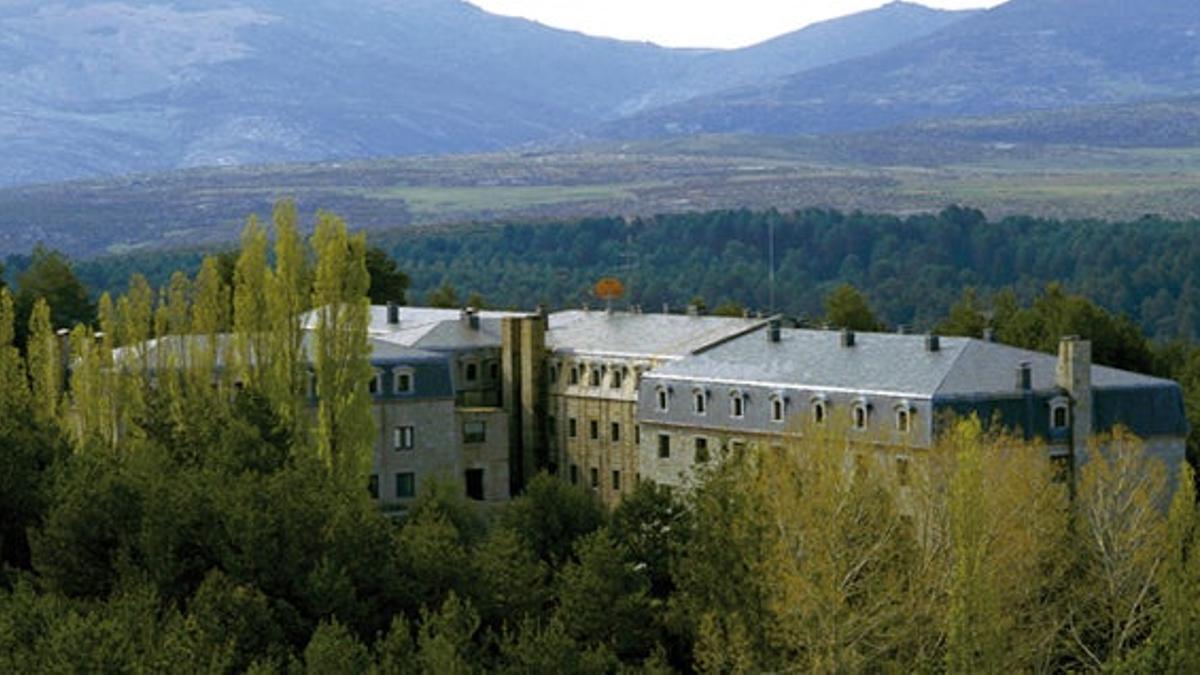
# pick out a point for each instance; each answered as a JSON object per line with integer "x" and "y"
{"x": 1023, "y": 55}
{"x": 818, "y": 45}
{"x": 112, "y": 87}
{"x": 99, "y": 87}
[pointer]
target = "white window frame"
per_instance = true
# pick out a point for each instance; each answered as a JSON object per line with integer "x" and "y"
{"x": 402, "y": 373}
{"x": 1060, "y": 403}
{"x": 737, "y": 404}
{"x": 404, "y": 437}
{"x": 662, "y": 398}
{"x": 778, "y": 409}
{"x": 699, "y": 401}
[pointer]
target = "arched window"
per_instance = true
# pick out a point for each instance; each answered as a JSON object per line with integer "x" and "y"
{"x": 820, "y": 409}
{"x": 1060, "y": 417}
{"x": 699, "y": 401}
{"x": 596, "y": 373}
{"x": 777, "y": 408}
{"x": 860, "y": 415}
{"x": 403, "y": 380}
{"x": 617, "y": 378}
{"x": 737, "y": 404}
{"x": 904, "y": 415}
{"x": 574, "y": 377}
{"x": 661, "y": 397}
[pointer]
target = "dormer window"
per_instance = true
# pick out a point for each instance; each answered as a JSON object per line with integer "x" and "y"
{"x": 595, "y": 376}
{"x": 375, "y": 386}
{"x": 777, "y": 409}
{"x": 661, "y": 397}
{"x": 820, "y": 410}
{"x": 403, "y": 381}
{"x": 860, "y": 415}
{"x": 737, "y": 404}
{"x": 1060, "y": 417}
{"x": 471, "y": 372}
{"x": 617, "y": 379}
{"x": 904, "y": 414}
{"x": 574, "y": 378}
{"x": 700, "y": 401}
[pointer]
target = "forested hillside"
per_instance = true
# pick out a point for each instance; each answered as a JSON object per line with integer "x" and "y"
{"x": 162, "y": 514}
{"x": 912, "y": 268}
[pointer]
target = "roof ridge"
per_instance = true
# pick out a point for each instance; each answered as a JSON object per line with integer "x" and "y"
{"x": 970, "y": 342}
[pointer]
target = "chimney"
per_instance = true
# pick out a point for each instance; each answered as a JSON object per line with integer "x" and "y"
{"x": 933, "y": 343}
{"x": 472, "y": 316}
{"x": 666, "y": 308}
{"x": 989, "y": 334}
{"x": 1075, "y": 376}
{"x": 773, "y": 330}
{"x": 901, "y": 329}
{"x": 847, "y": 337}
{"x": 693, "y": 309}
{"x": 1025, "y": 376}
{"x": 393, "y": 314}
{"x": 544, "y": 315}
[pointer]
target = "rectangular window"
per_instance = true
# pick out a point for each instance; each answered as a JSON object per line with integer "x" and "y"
{"x": 403, "y": 438}
{"x": 594, "y": 430}
{"x": 637, "y": 434}
{"x": 474, "y": 432}
{"x": 574, "y": 475}
{"x": 574, "y": 374}
{"x": 616, "y": 476}
{"x": 595, "y": 380}
{"x": 474, "y": 478}
{"x": 616, "y": 380}
{"x": 664, "y": 446}
{"x": 701, "y": 449}
{"x": 373, "y": 486}
{"x": 571, "y": 427}
{"x": 595, "y": 478}
{"x": 472, "y": 372}
{"x": 403, "y": 383}
{"x": 406, "y": 485}
{"x": 615, "y": 432}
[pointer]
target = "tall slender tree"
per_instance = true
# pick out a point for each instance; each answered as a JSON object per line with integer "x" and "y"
{"x": 342, "y": 351}
{"x": 45, "y": 365}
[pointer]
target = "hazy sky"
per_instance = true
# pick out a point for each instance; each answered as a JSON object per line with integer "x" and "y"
{"x": 693, "y": 23}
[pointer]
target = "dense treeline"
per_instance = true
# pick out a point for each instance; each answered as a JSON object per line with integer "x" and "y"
{"x": 912, "y": 267}
{"x": 179, "y": 509}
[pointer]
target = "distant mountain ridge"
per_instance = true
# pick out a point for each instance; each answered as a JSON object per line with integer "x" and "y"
{"x": 1023, "y": 55}
{"x": 110, "y": 87}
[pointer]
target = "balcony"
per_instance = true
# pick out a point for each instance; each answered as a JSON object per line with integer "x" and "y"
{"x": 484, "y": 398}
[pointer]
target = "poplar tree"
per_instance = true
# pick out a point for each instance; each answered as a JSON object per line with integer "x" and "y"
{"x": 345, "y": 428}
{"x": 286, "y": 301}
{"x": 135, "y": 316}
{"x": 1174, "y": 647}
{"x": 14, "y": 384}
{"x": 208, "y": 319}
{"x": 250, "y": 316}
{"x": 45, "y": 365}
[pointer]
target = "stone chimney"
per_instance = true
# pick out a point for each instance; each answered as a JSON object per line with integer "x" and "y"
{"x": 393, "y": 314}
{"x": 1074, "y": 374}
{"x": 773, "y": 330}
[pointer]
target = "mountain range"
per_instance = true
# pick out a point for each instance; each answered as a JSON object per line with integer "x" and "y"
{"x": 94, "y": 88}
{"x": 108, "y": 87}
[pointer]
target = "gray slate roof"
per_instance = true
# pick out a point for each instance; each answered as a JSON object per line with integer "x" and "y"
{"x": 882, "y": 363}
{"x": 664, "y": 336}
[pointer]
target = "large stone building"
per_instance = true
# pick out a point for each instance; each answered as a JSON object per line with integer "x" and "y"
{"x": 596, "y": 362}
{"x": 484, "y": 400}
{"x": 891, "y": 394}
